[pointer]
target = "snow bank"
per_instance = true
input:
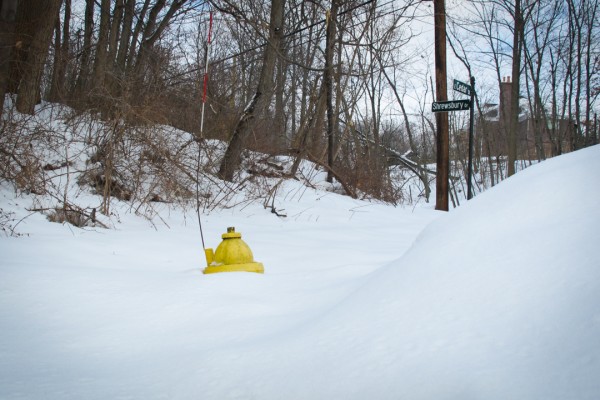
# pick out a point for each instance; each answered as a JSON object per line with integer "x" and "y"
{"x": 499, "y": 299}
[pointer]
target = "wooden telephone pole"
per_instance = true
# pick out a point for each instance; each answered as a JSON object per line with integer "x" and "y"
{"x": 441, "y": 94}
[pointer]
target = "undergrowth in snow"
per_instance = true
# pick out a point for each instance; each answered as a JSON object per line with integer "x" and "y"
{"x": 76, "y": 166}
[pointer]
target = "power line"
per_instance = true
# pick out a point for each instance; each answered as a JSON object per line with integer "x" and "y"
{"x": 303, "y": 39}
{"x": 287, "y": 35}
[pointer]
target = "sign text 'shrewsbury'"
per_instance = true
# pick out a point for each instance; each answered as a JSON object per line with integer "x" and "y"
{"x": 457, "y": 105}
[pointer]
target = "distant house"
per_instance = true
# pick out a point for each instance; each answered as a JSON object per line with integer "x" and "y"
{"x": 535, "y": 138}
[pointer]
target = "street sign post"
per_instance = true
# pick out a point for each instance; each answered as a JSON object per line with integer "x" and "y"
{"x": 470, "y": 170}
{"x": 454, "y": 105}
{"x": 461, "y": 105}
{"x": 462, "y": 87}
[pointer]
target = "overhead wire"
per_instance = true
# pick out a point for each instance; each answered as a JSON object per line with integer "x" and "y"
{"x": 295, "y": 32}
{"x": 305, "y": 39}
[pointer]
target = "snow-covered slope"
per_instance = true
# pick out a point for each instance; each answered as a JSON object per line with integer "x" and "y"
{"x": 499, "y": 299}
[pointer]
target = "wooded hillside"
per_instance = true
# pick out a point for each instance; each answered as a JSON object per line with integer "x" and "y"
{"x": 346, "y": 84}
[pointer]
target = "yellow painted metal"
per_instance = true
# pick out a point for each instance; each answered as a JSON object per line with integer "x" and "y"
{"x": 231, "y": 255}
{"x": 210, "y": 256}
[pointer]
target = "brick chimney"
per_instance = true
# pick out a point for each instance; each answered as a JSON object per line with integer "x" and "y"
{"x": 505, "y": 97}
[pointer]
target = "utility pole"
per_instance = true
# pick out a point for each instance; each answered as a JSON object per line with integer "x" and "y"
{"x": 441, "y": 94}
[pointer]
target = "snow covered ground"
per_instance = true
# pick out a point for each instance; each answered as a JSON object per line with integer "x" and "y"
{"x": 498, "y": 299}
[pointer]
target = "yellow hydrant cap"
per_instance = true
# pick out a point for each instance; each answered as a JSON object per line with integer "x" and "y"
{"x": 231, "y": 234}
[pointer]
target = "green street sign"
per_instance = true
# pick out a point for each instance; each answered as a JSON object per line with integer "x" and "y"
{"x": 454, "y": 105}
{"x": 462, "y": 87}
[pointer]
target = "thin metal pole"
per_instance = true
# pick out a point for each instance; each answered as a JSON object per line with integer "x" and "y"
{"x": 199, "y": 219}
{"x": 204, "y": 90}
{"x": 470, "y": 172}
{"x": 205, "y": 83}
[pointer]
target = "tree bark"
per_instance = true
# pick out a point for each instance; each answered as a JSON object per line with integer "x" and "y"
{"x": 154, "y": 30}
{"x": 61, "y": 53}
{"x": 264, "y": 91}
{"x": 84, "y": 66}
{"x": 115, "y": 31}
{"x": 100, "y": 61}
{"x": 37, "y": 52}
{"x": 125, "y": 36}
{"x": 8, "y": 13}
{"x": 514, "y": 95}
{"x": 328, "y": 79}
{"x": 591, "y": 15}
{"x": 139, "y": 25}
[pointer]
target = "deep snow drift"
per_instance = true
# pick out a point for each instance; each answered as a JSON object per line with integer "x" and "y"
{"x": 499, "y": 299}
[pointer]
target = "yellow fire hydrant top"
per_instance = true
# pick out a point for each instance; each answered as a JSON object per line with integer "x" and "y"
{"x": 232, "y": 255}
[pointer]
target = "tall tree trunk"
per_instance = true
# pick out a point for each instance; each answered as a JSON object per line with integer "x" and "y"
{"x": 139, "y": 26}
{"x": 514, "y": 99}
{"x": 115, "y": 31}
{"x": 64, "y": 50}
{"x": 154, "y": 30}
{"x": 591, "y": 15}
{"x": 53, "y": 93}
{"x": 111, "y": 82}
{"x": 57, "y": 87}
{"x": 579, "y": 60}
{"x": 569, "y": 82}
{"x": 100, "y": 61}
{"x": 280, "y": 117}
{"x": 554, "y": 131}
{"x": 328, "y": 80}
{"x": 8, "y": 14}
{"x": 313, "y": 121}
{"x": 147, "y": 36}
{"x": 125, "y": 36}
{"x": 81, "y": 85}
{"x": 37, "y": 52}
{"x": 264, "y": 91}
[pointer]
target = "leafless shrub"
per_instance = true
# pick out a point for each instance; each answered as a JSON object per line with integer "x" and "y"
{"x": 19, "y": 163}
{"x": 74, "y": 215}
{"x": 130, "y": 159}
{"x": 8, "y": 224}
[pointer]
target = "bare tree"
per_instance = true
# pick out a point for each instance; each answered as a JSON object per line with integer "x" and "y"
{"x": 8, "y": 13}
{"x": 58, "y": 89}
{"x": 328, "y": 80}
{"x": 262, "y": 96}
{"x": 37, "y": 19}
{"x": 86, "y": 51}
{"x": 536, "y": 46}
